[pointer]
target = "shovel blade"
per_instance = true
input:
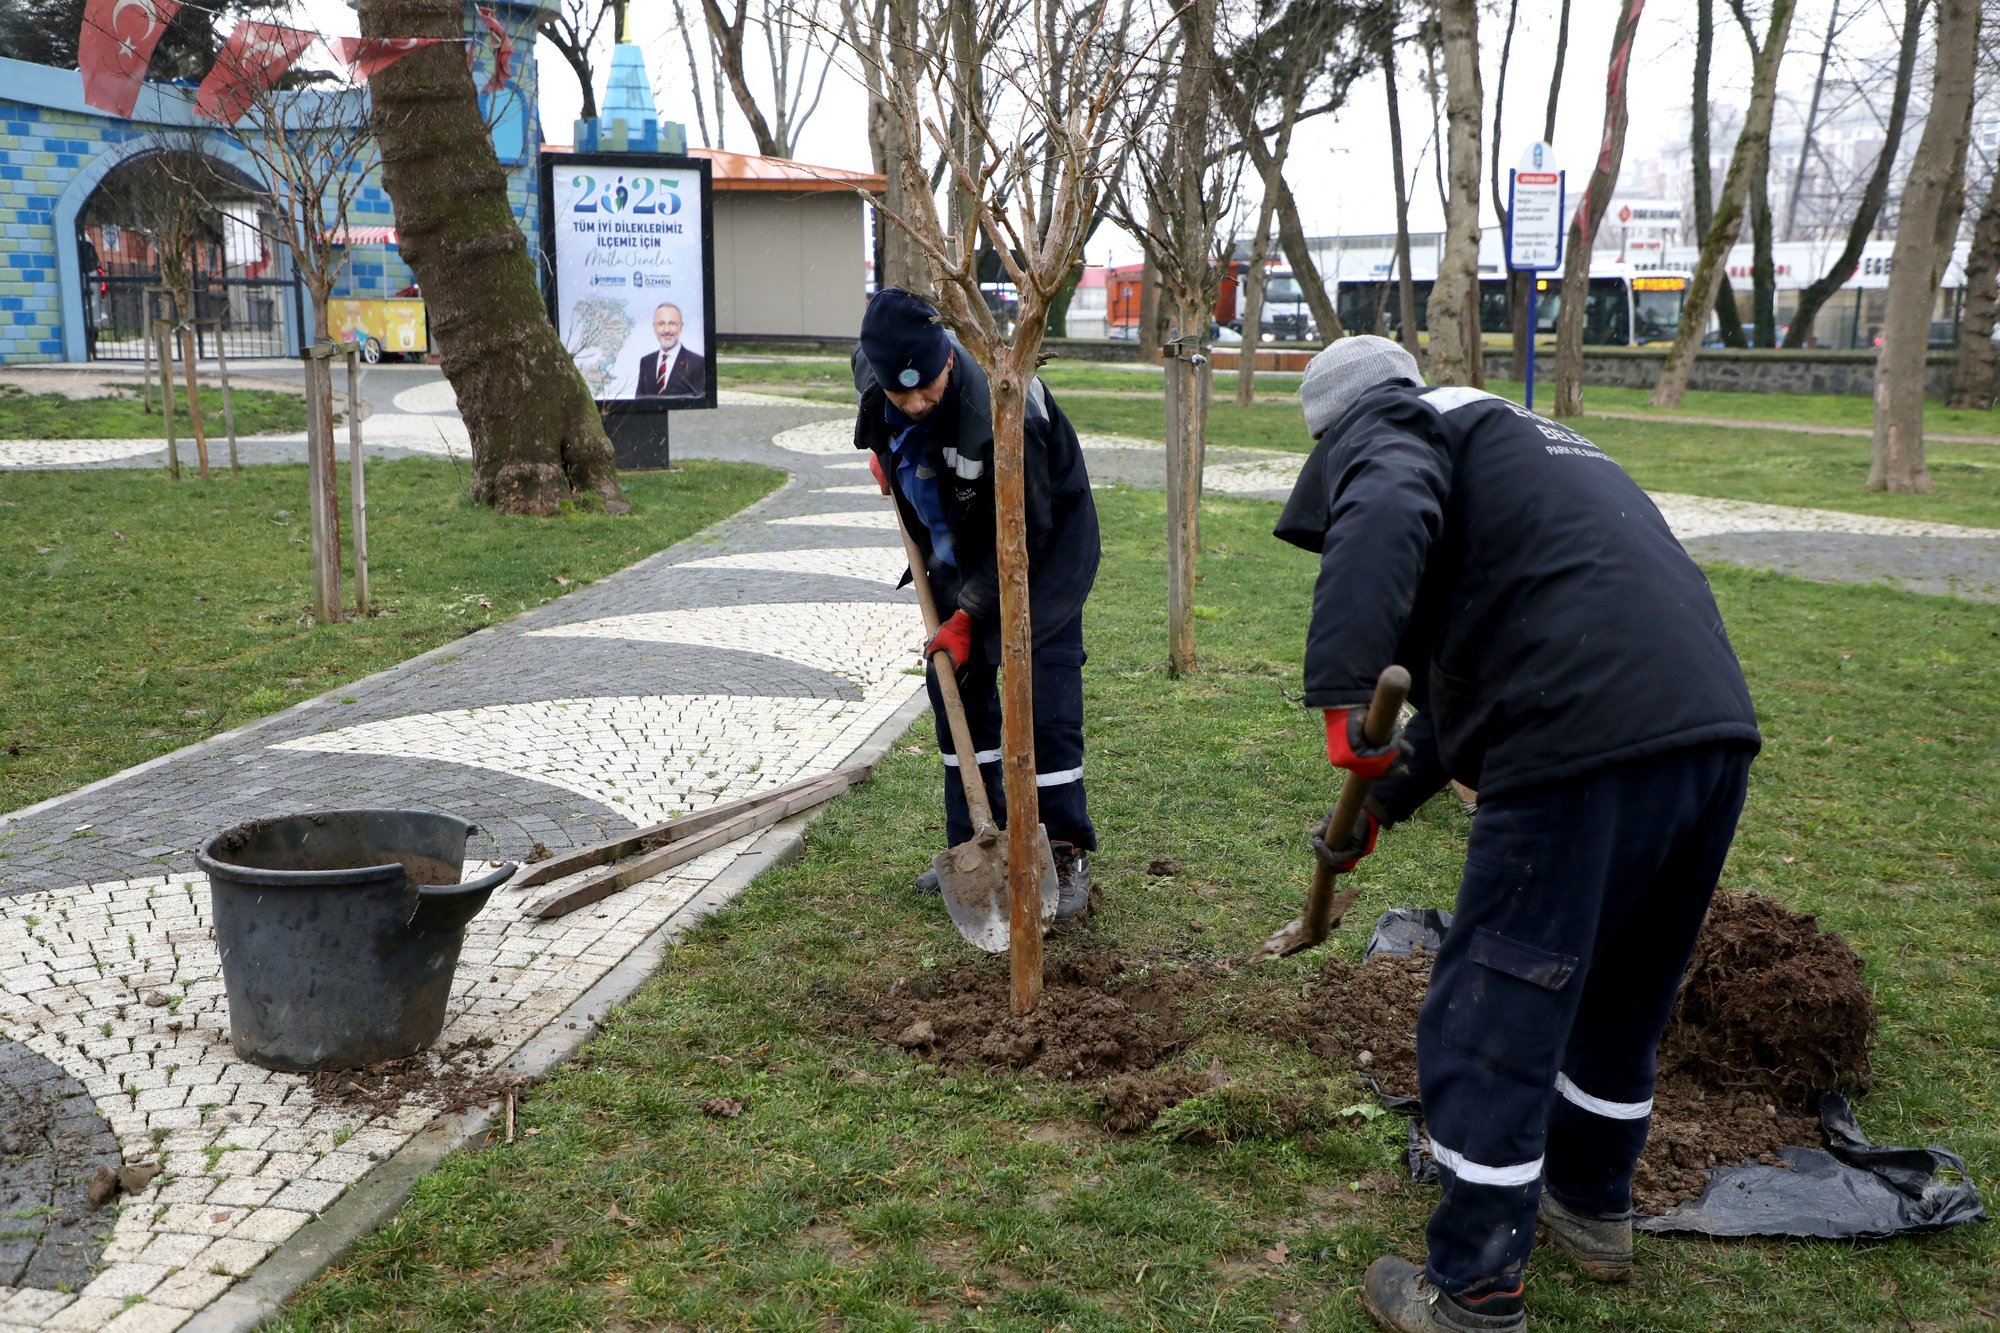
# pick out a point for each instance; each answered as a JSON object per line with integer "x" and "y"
{"x": 973, "y": 876}
{"x": 1295, "y": 936}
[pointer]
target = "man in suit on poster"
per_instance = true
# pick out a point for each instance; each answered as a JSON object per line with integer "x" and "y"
{"x": 674, "y": 371}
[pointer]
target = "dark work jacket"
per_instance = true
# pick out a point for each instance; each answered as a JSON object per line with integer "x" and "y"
{"x": 1063, "y": 546}
{"x": 1551, "y": 622}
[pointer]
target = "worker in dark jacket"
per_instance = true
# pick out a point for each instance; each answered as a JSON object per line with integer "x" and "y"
{"x": 1570, "y": 664}
{"x": 926, "y": 419}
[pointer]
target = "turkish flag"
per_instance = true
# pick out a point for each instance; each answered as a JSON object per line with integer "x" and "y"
{"x": 503, "y": 50}
{"x": 366, "y": 57}
{"x": 114, "y": 47}
{"x": 255, "y": 57}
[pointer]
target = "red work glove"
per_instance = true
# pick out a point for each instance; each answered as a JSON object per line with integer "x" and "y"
{"x": 954, "y": 637}
{"x": 1347, "y": 746}
{"x": 1360, "y": 842}
{"x": 875, "y": 466}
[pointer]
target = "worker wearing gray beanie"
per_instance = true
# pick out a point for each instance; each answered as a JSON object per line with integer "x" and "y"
{"x": 1338, "y": 376}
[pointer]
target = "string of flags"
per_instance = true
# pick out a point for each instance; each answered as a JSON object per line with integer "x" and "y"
{"x": 119, "y": 36}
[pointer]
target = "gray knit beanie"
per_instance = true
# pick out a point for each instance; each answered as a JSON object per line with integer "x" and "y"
{"x": 1338, "y": 376}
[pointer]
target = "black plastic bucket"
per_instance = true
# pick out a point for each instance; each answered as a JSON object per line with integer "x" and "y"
{"x": 339, "y": 932}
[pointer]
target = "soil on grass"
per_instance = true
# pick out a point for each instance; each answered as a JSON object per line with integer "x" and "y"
{"x": 1773, "y": 1011}
{"x": 1094, "y": 1020}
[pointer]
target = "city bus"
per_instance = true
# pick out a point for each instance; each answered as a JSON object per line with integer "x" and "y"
{"x": 1625, "y": 307}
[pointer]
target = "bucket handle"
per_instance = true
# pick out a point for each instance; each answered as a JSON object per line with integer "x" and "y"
{"x": 450, "y": 906}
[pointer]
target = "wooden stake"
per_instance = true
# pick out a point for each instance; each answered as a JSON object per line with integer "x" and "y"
{"x": 1017, "y": 680}
{"x": 228, "y": 404}
{"x": 146, "y": 345}
{"x": 510, "y": 1115}
{"x": 1183, "y": 409}
{"x": 160, "y": 338}
{"x": 356, "y": 488}
{"x": 189, "y": 351}
{"x": 322, "y": 494}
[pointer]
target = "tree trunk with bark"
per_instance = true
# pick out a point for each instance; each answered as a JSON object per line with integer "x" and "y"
{"x": 1192, "y": 269}
{"x": 1590, "y": 213}
{"x": 1452, "y": 358}
{"x": 1291, "y": 231}
{"x": 1516, "y": 293}
{"x": 1972, "y": 379}
{"x": 537, "y": 438}
{"x": 1704, "y": 185}
{"x": 1812, "y": 123}
{"x": 1763, "y": 264}
{"x": 1753, "y": 148}
{"x": 902, "y": 265}
{"x": 1253, "y": 308}
{"x": 1406, "y": 293}
{"x": 1822, "y": 288}
{"x": 1933, "y": 197}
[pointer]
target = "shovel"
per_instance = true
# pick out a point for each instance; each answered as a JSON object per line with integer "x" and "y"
{"x": 1324, "y": 907}
{"x": 973, "y": 874}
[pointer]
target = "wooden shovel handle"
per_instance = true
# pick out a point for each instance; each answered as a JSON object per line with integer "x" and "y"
{"x": 1392, "y": 687}
{"x": 974, "y": 782}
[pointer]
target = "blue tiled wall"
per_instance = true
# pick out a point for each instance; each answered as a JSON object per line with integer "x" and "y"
{"x": 49, "y": 140}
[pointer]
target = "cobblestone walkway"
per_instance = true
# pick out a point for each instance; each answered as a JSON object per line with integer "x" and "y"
{"x": 771, "y": 647}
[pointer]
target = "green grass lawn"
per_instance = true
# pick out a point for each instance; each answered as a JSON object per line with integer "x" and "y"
{"x": 54, "y": 416}
{"x": 143, "y": 615}
{"x": 863, "y": 1189}
{"x": 1809, "y": 409}
{"x": 1740, "y": 463}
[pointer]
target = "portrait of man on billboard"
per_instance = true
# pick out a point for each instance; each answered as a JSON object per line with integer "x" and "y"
{"x": 674, "y": 370}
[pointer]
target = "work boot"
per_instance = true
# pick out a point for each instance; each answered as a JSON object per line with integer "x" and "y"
{"x": 927, "y": 883}
{"x": 1073, "y": 902}
{"x": 1397, "y": 1296}
{"x": 1600, "y": 1246}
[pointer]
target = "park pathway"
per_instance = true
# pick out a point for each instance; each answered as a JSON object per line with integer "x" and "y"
{"x": 773, "y": 646}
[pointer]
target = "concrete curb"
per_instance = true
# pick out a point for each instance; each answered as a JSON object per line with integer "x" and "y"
{"x": 376, "y": 1197}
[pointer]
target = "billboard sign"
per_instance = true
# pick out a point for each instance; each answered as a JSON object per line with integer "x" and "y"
{"x": 1535, "y": 211}
{"x": 628, "y": 242}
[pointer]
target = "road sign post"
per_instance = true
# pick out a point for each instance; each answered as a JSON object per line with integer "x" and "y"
{"x": 1534, "y": 230}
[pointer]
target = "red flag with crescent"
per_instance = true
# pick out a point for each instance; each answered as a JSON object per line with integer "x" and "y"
{"x": 366, "y": 57}
{"x": 115, "y": 46}
{"x": 503, "y": 50}
{"x": 254, "y": 58}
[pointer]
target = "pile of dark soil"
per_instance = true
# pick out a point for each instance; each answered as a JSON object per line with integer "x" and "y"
{"x": 459, "y": 1080}
{"x": 1773, "y": 1011}
{"x": 1093, "y": 1020}
{"x": 1772, "y": 1004}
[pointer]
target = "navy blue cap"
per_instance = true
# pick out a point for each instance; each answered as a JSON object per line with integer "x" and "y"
{"x": 903, "y": 340}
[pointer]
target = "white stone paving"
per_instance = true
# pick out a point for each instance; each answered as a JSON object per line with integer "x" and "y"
{"x": 830, "y": 438}
{"x": 69, "y": 453}
{"x": 649, "y": 757}
{"x": 877, "y": 564}
{"x": 1692, "y": 516}
{"x": 250, "y": 1155}
{"x": 864, "y": 641}
{"x": 875, "y": 520}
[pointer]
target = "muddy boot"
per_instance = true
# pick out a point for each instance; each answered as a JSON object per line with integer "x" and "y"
{"x": 927, "y": 883}
{"x": 1600, "y": 1246}
{"x": 1073, "y": 892}
{"x": 1397, "y": 1297}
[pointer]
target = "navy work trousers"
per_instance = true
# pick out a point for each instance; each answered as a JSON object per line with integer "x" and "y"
{"x": 1537, "y": 1044}
{"x": 1058, "y": 692}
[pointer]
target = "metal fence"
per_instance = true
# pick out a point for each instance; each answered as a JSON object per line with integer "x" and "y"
{"x": 248, "y": 315}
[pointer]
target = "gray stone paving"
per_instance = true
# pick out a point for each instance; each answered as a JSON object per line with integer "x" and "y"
{"x": 52, "y": 1141}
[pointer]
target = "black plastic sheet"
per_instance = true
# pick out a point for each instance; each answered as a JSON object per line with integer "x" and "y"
{"x": 1853, "y": 1189}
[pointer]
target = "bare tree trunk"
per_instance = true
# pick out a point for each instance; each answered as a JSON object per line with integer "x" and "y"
{"x": 1753, "y": 147}
{"x": 1253, "y": 309}
{"x": 1822, "y": 288}
{"x": 1193, "y": 309}
{"x": 1291, "y": 231}
{"x": 727, "y": 35}
{"x": 1518, "y": 283}
{"x": 1698, "y": 142}
{"x": 1812, "y": 123}
{"x": 189, "y": 353}
{"x": 1149, "y": 305}
{"x": 1406, "y": 300}
{"x": 1589, "y": 214}
{"x": 536, "y": 434}
{"x": 1972, "y": 379}
{"x": 902, "y": 265}
{"x": 1933, "y": 198}
{"x": 1763, "y": 266}
{"x": 322, "y": 495}
{"x": 1458, "y": 270}
{"x": 1516, "y": 293}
